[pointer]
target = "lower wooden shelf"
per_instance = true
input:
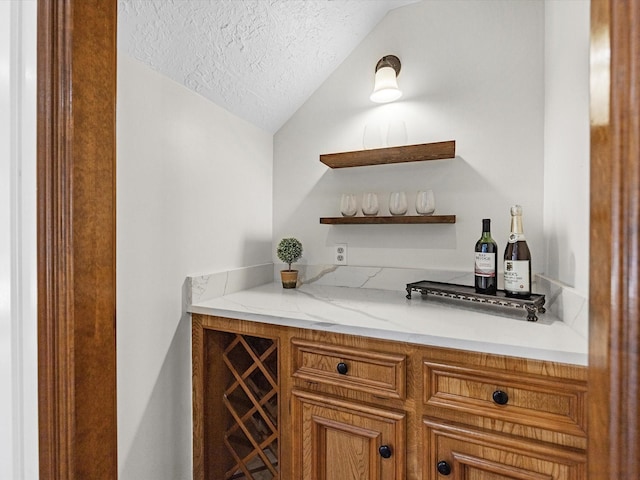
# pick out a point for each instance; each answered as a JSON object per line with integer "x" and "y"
{"x": 400, "y": 219}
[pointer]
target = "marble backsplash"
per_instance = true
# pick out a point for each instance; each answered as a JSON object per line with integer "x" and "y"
{"x": 562, "y": 301}
{"x": 384, "y": 278}
{"x": 200, "y": 288}
{"x": 565, "y": 303}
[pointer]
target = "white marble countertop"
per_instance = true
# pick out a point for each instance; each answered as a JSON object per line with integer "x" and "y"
{"x": 389, "y": 315}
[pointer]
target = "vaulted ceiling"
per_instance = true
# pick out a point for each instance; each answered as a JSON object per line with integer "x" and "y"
{"x": 259, "y": 59}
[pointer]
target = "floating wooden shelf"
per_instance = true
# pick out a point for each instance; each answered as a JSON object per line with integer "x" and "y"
{"x": 382, "y": 156}
{"x": 400, "y": 219}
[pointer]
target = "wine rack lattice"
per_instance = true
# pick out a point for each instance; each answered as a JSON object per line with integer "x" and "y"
{"x": 251, "y": 399}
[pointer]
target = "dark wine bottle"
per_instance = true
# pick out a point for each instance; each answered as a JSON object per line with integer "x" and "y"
{"x": 517, "y": 259}
{"x": 486, "y": 271}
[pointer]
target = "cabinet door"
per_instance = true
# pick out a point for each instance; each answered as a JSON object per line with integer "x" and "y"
{"x": 456, "y": 452}
{"x": 338, "y": 440}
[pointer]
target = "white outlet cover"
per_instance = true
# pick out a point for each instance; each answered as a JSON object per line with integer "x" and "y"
{"x": 340, "y": 251}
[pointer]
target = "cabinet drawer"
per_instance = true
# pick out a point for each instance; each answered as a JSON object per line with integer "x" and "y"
{"x": 553, "y": 404}
{"x": 467, "y": 454}
{"x": 380, "y": 374}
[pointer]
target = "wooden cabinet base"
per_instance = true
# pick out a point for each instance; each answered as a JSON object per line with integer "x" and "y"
{"x": 273, "y": 402}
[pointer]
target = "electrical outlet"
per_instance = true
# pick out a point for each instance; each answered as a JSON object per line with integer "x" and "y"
{"x": 340, "y": 254}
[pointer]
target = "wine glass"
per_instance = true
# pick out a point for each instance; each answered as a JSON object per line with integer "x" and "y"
{"x": 348, "y": 206}
{"x": 371, "y": 137}
{"x": 396, "y": 133}
{"x": 425, "y": 202}
{"x": 370, "y": 205}
{"x": 398, "y": 203}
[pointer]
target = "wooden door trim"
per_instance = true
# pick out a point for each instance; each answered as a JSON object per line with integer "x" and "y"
{"x": 614, "y": 332}
{"x": 55, "y": 362}
{"x": 76, "y": 239}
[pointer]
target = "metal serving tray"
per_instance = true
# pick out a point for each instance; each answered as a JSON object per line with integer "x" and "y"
{"x": 468, "y": 295}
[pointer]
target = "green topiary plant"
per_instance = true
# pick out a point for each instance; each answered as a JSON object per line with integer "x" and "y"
{"x": 289, "y": 250}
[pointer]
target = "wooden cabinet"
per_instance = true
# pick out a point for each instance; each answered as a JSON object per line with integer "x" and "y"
{"x": 272, "y": 402}
{"x": 492, "y": 418}
{"x": 336, "y": 439}
{"x": 462, "y": 453}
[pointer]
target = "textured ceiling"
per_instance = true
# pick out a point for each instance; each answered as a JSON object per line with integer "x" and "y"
{"x": 259, "y": 59}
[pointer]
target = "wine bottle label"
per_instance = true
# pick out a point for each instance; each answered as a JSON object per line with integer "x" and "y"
{"x": 516, "y": 237}
{"x": 485, "y": 264}
{"x": 516, "y": 275}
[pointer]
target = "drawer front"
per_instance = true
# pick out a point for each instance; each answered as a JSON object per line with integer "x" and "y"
{"x": 380, "y": 374}
{"x": 468, "y": 454}
{"x": 553, "y": 404}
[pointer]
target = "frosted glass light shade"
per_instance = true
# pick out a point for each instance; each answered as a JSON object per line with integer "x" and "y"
{"x": 386, "y": 86}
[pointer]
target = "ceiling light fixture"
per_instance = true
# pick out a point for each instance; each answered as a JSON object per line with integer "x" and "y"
{"x": 386, "y": 83}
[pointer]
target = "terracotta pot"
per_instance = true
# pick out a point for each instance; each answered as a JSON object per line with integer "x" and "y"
{"x": 289, "y": 278}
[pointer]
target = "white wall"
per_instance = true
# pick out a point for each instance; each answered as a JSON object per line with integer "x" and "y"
{"x": 194, "y": 188}
{"x": 18, "y": 314}
{"x": 194, "y": 182}
{"x": 566, "y": 170}
{"x": 472, "y": 72}
{"x": 6, "y": 232}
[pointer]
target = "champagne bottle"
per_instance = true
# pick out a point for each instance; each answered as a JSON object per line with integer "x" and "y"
{"x": 486, "y": 271}
{"x": 517, "y": 259}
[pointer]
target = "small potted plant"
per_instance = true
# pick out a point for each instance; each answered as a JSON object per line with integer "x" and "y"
{"x": 289, "y": 251}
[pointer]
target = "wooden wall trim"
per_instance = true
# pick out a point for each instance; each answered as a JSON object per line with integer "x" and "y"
{"x": 614, "y": 364}
{"x": 76, "y": 239}
{"x": 55, "y": 271}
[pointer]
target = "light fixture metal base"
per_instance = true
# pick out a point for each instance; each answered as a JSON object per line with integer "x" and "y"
{"x": 389, "y": 61}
